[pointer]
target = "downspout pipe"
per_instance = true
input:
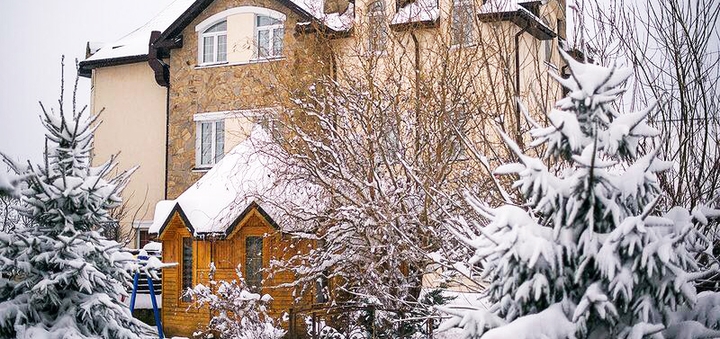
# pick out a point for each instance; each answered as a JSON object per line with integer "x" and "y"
{"x": 517, "y": 83}
{"x": 161, "y": 71}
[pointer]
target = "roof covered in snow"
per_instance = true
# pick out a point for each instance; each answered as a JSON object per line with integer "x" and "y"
{"x": 308, "y": 10}
{"x": 338, "y": 22}
{"x": 244, "y": 179}
{"x": 135, "y": 44}
{"x": 418, "y": 11}
{"x": 515, "y": 11}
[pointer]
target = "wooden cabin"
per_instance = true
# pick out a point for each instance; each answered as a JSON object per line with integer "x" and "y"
{"x": 252, "y": 243}
{"x": 219, "y": 220}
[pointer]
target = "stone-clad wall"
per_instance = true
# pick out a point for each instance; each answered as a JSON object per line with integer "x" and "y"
{"x": 224, "y": 88}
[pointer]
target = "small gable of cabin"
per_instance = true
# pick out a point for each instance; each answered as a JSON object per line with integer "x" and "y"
{"x": 219, "y": 220}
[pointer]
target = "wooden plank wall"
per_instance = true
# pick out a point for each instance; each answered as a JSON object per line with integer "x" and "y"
{"x": 181, "y": 318}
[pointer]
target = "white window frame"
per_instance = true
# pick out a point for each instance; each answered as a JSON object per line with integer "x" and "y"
{"x": 213, "y": 118}
{"x": 141, "y": 225}
{"x": 271, "y": 37}
{"x": 215, "y": 36}
{"x": 223, "y": 16}
{"x": 377, "y": 27}
{"x": 469, "y": 32}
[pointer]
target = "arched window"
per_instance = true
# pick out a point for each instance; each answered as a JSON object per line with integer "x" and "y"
{"x": 269, "y": 32}
{"x": 239, "y": 35}
{"x": 377, "y": 27}
{"x": 214, "y": 43}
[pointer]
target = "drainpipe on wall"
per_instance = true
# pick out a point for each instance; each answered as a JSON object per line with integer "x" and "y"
{"x": 417, "y": 88}
{"x": 167, "y": 138}
{"x": 517, "y": 84}
{"x": 161, "y": 71}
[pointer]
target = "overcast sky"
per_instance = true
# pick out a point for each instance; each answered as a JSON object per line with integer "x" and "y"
{"x": 34, "y": 34}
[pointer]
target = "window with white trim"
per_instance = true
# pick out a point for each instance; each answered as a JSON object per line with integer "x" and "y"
{"x": 462, "y": 23}
{"x": 377, "y": 27}
{"x": 214, "y": 44}
{"x": 240, "y": 35}
{"x": 143, "y": 236}
{"x": 269, "y": 33}
{"x": 210, "y": 140}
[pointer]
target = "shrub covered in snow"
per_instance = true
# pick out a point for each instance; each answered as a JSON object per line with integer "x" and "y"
{"x": 59, "y": 277}
{"x": 588, "y": 254}
{"x": 236, "y": 312}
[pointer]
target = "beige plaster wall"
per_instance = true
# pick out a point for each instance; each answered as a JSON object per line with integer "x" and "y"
{"x": 133, "y": 125}
{"x": 487, "y": 66}
{"x": 241, "y": 37}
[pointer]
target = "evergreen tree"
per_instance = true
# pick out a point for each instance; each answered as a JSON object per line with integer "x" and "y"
{"x": 587, "y": 254}
{"x": 59, "y": 277}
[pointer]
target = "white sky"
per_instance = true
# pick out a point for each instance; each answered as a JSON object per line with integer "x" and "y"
{"x": 33, "y": 35}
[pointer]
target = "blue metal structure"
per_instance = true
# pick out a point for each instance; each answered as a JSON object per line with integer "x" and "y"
{"x": 156, "y": 311}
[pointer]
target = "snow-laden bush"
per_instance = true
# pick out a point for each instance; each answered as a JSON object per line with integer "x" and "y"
{"x": 59, "y": 277}
{"x": 236, "y": 312}
{"x": 588, "y": 253}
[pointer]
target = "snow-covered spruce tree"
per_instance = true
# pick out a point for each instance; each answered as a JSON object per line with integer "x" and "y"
{"x": 237, "y": 312}
{"x": 59, "y": 277}
{"x": 587, "y": 254}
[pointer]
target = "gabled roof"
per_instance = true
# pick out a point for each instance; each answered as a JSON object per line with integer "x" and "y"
{"x": 308, "y": 10}
{"x": 177, "y": 15}
{"x": 245, "y": 179}
{"x": 133, "y": 47}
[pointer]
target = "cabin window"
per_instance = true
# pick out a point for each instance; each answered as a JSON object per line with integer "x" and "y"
{"x": 210, "y": 142}
{"x": 269, "y": 32}
{"x": 462, "y": 23}
{"x": 322, "y": 290}
{"x": 187, "y": 261}
{"x": 253, "y": 262}
{"x": 214, "y": 44}
{"x": 144, "y": 237}
{"x": 377, "y": 28}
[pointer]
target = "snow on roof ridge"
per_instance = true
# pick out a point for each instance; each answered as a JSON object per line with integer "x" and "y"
{"x": 335, "y": 21}
{"x": 502, "y": 6}
{"x": 246, "y": 175}
{"x": 417, "y": 11}
{"x": 136, "y": 42}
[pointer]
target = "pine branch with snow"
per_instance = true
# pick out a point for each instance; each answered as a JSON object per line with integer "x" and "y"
{"x": 59, "y": 277}
{"x": 588, "y": 252}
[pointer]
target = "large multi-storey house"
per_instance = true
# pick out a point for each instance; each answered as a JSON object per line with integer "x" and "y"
{"x": 180, "y": 97}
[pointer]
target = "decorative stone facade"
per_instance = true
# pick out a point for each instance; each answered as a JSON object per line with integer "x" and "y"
{"x": 219, "y": 88}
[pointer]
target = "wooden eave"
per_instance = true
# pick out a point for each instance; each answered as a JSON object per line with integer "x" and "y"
{"x": 245, "y": 215}
{"x": 316, "y": 27}
{"x": 172, "y": 36}
{"x": 405, "y": 26}
{"x": 176, "y": 209}
{"x": 85, "y": 67}
{"x": 241, "y": 219}
{"x": 523, "y": 19}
